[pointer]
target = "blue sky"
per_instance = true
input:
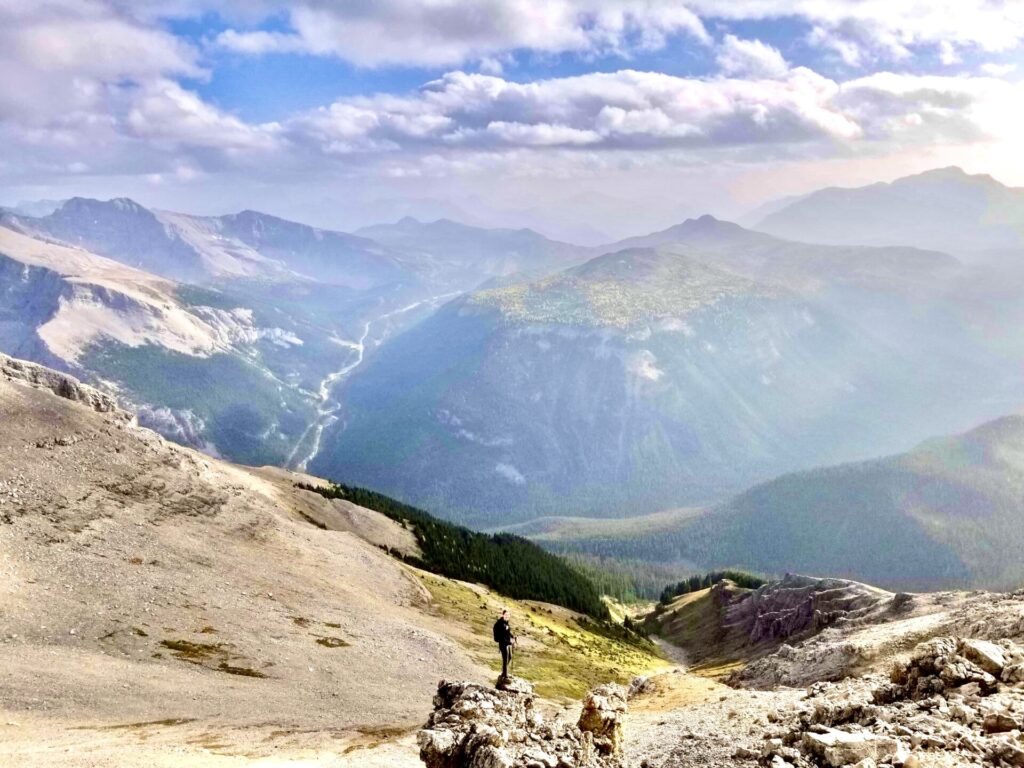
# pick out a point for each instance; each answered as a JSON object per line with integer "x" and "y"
{"x": 277, "y": 84}
{"x": 569, "y": 115}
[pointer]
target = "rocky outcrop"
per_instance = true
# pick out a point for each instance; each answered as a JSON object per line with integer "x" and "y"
{"x": 798, "y": 606}
{"x": 474, "y": 726}
{"x": 61, "y": 384}
{"x": 604, "y": 710}
{"x": 954, "y": 702}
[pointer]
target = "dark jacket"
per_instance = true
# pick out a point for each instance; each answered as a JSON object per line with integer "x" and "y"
{"x": 503, "y": 632}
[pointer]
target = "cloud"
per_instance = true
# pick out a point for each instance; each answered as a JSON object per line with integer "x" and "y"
{"x": 621, "y": 110}
{"x": 163, "y": 111}
{"x": 102, "y": 89}
{"x": 859, "y": 31}
{"x": 921, "y": 109}
{"x": 750, "y": 58}
{"x": 454, "y": 32}
{"x": 470, "y": 124}
{"x": 450, "y": 32}
{"x": 60, "y": 57}
{"x": 89, "y": 88}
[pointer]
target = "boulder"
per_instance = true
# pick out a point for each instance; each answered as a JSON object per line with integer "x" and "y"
{"x": 840, "y": 748}
{"x": 986, "y": 655}
{"x": 604, "y": 709}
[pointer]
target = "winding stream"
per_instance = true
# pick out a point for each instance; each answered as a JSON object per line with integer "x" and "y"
{"x": 328, "y": 406}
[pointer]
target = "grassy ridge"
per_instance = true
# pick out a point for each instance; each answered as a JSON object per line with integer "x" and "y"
{"x": 508, "y": 564}
{"x": 562, "y": 654}
{"x": 696, "y": 583}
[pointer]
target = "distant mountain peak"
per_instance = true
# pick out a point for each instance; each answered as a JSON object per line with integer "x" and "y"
{"x": 698, "y": 232}
{"x": 117, "y": 203}
{"x": 953, "y": 173}
{"x": 708, "y": 223}
{"x": 944, "y": 209}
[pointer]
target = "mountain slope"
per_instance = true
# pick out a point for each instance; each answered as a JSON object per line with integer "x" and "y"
{"x": 944, "y": 209}
{"x": 205, "y": 248}
{"x": 204, "y": 369}
{"x": 470, "y": 255}
{"x": 805, "y": 267}
{"x": 949, "y": 513}
{"x": 68, "y": 298}
{"x": 637, "y": 381}
{"x": 165, "y": 608}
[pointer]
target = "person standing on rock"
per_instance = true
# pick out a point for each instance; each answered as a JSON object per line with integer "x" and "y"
{"x": 506, "y": 641}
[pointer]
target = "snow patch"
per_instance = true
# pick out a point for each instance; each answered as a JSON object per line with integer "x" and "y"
{"x": 641, "y": 334}
{"x": 494, "y": 442}
{"x": 675, "y": 325}
{"x": 642, "y": 365}
{"x": 510, "y": 473}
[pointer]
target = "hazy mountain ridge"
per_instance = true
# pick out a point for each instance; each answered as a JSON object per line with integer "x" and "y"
{"x": 473, "y": 254}
{"x": 801, "y": 266}
{"x": 523, "y": 401}
{"x": 196, "y": 365}
{"x": 206, "y": 248}
{"x": 945, "y": 209}
{"x": 944, "y": 514}
{"x": 709, "y": 359}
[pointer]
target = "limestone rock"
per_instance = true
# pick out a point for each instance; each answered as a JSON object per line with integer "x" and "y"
{"x": 604, "y": 709}
{"x": 514, "y": 685}
{"x": 986, "y": 655}
{"x": 839, "y": 748}
{"x": 473, "y": 726}
{"x": 61, "y": 384}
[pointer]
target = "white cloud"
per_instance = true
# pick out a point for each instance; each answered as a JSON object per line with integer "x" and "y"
{"x": 163, "y": 111}
{"x": 620, "y": 110}
{"x": 510, "y": 473}
{"x": 88, "y": 88}
{"x": 97, "y": 92}
{"x": 750, "y": 58}
{"x": 863, "y": 30}
{"x": 997, "y": 69}
{"x": 450, "y": 32}
{"x": 454, "y": 32}
{"x": 60, "y": 57}
{"x": 933, "y": 109}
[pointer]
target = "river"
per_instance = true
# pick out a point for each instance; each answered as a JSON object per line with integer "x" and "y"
{"x": 328, "y": 406}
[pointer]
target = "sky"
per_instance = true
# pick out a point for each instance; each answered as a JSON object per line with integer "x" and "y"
{"x": 586, "y": 119}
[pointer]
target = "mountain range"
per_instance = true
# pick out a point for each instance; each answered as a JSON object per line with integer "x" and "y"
{"x": 945, "y": 209}
{"x": 946, "y": 513}
{"x": 678, "y": 369}
{"x": 222, "y": 331}
{"x": 495, "y": 376}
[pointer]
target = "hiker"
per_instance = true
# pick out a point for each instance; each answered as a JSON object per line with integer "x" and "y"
{"x": 506, "y": 640}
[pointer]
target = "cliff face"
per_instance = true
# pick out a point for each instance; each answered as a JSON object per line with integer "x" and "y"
{"x": 798, "y": 606}
{"x": 727, "y": 623}
{"x": 61, "y": 384}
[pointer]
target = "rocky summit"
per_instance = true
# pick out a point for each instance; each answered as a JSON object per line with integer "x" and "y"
{"x": 473, "y": 726}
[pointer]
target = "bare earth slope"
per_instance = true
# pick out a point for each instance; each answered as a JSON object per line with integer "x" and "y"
{"x": 160, "y": 607}
{"x": 163, "y": 608}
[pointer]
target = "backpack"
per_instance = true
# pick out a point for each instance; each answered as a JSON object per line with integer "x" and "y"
{"x": 496, "y": 632}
